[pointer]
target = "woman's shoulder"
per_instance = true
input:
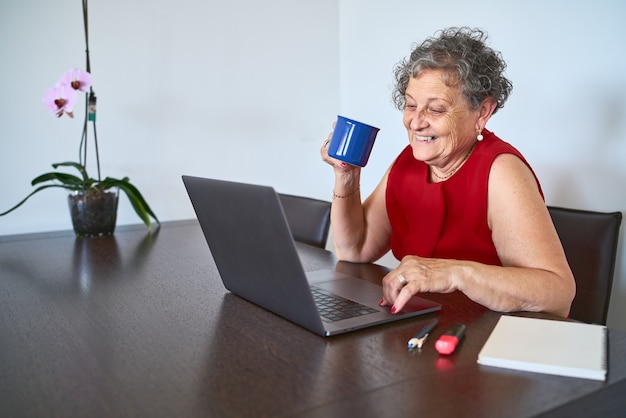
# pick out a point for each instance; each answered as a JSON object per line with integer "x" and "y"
{"x": 506, "y": 163}
{"x": 509, "y": 168}
{"x": 494, "y": 149}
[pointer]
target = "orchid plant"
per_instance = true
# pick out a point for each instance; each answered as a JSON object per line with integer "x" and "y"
{"x": 60, "y": 100}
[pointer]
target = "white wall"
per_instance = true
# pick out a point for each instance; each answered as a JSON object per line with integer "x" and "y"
{"x": 238, "y": 89}
{"x": 244, "y": 90}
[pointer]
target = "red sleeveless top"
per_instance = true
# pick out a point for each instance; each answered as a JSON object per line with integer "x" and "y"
{"x": 446, "y": 219}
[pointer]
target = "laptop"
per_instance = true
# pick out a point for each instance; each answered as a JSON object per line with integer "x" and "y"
{"x": 250, "y": 240}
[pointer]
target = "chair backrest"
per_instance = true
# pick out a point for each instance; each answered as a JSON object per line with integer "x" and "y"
{"x": 590, "y": 243}
{"x": 308, "y": 219}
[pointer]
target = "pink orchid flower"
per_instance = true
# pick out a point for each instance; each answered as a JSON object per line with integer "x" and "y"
{"x": 77, "y": 79}
{"x": 60, "y": 99}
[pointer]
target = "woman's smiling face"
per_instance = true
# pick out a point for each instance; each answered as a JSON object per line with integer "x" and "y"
{"x": 439, "y": 121}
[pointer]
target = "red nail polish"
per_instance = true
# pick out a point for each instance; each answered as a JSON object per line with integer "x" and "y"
{"x": 382, "y": 302}
{"x": 394, "y": 309}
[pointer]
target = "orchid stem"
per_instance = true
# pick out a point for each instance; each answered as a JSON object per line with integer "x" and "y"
{"x": 90, "y": 102}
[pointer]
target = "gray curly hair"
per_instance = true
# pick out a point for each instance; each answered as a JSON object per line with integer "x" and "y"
{"x": 465, "y": 59}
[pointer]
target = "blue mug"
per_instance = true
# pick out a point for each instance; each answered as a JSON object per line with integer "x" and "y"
{"x": 352, "y": 141}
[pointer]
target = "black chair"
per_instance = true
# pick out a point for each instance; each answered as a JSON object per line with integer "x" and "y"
{"x": 590, "y": 243}
{"x": 308, "y": 219}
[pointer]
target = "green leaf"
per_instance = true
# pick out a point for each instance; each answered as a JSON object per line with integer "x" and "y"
{"x": 47, "y": 186}
{"x": 64, "y": 178}
{"x": 81, "y": 168}
{"x": 136, "y": 199}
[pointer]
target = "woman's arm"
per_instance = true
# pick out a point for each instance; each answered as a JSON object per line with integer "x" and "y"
{"x": 360, "y": 231}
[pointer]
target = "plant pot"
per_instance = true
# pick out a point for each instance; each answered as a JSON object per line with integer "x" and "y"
{"x": 93, "y": 212}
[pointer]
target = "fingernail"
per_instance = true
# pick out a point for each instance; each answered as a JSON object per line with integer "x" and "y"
{"x": 382, "y": 302}
{"x": 394, "y": 309}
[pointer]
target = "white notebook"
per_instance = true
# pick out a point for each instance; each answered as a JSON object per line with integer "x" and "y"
{"x": 544, "y": 346}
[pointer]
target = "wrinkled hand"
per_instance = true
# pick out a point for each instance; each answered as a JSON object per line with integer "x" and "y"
{"x": 416, "y": 275}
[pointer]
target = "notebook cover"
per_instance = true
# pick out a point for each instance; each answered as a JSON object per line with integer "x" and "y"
{"x": 544, "y": 346}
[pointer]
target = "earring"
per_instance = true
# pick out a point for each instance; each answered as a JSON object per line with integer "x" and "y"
{"x": 480, "y": 135}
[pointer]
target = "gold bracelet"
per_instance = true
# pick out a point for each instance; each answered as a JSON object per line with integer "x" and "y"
{"x": 335, "y": 195}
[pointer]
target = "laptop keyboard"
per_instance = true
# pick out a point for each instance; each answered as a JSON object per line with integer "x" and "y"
{"x": 335, "y": 308}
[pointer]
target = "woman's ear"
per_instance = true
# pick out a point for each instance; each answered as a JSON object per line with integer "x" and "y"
{"x": 485, "y": 111}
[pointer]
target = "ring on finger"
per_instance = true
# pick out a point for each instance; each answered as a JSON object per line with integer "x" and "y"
{"x": 326, "y": 143}
{"x": 401, "y": 279}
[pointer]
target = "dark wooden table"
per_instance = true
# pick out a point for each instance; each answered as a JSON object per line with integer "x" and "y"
{"x": 140, "y": 325}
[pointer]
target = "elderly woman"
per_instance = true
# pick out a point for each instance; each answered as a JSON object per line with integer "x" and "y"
{"x": 459, "y": 207}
